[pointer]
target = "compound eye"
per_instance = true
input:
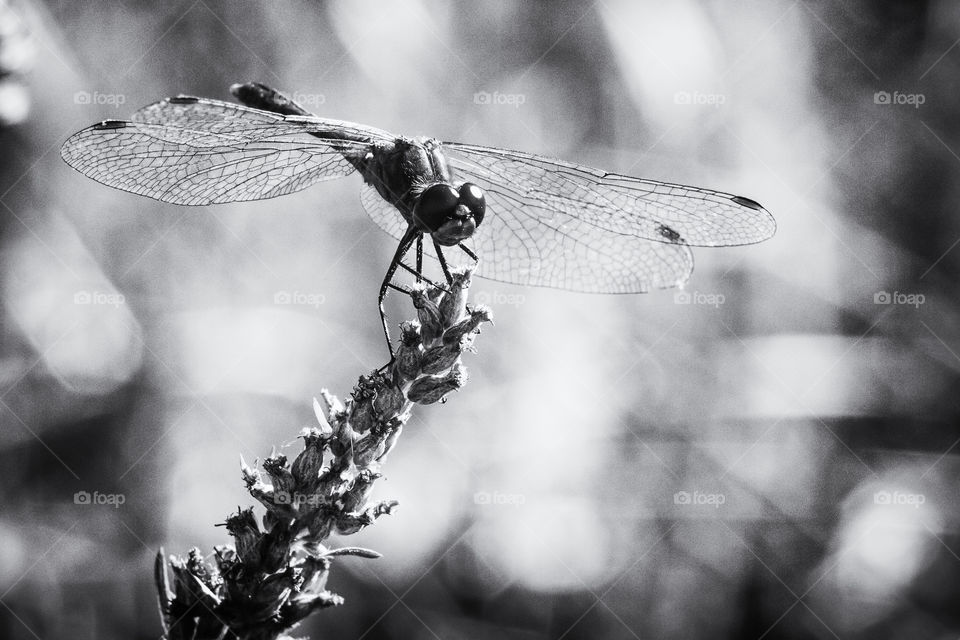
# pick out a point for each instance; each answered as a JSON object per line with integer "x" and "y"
{"x": 472, "y": 196}
{"x": 436, "y": 205}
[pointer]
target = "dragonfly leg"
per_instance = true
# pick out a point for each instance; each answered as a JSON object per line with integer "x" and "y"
{"x": 420, "y": 278}
{"x": 470, "y": 253}
{"x": 420, "y": 257}
{"x": 443, "y": 261}
{"x": 406, "y": 242}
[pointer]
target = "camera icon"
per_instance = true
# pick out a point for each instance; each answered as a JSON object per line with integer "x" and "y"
{"x": 682, "y": 97}
{"x": 882, "y": 497}
{"x": 81, "y": 497}
{"x": 682, "y": 497}
{"x": 282, "y": 297}
{"x": 881, "y": 97}
{"x": 482, "y": 497}
{"x": 482, "y": 97}
{"x": 82, "y": 97}
{"x": 882, "y": 297}
{"x": 82, "y": 297}
{"x": 282, "y": 497}
{"x": 682, "y": 297}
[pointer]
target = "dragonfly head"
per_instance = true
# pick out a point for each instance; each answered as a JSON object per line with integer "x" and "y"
{"x": 450, "y": 214}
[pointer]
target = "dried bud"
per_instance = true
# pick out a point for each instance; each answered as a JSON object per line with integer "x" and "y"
{"x": 355, "y": 498}
{"x": 321, "y": 524}
{"x": 276, "y": 468}
{"x": 440, "y": 358}
{"x": 468, "y": 325}
{"x": 276, "y": 588}
{"x": 302, "y": 605}
{"x": 389, "y": 401}
{"x": 431, "y": 324}
{"x": 407, "y": 363}
{"x": 306, "y": 467}
{"x": 363, "y": 416}
{"x": 350, "y": 523}
{"x": 454, "y": 303}
{"x": 246, "y": 535}
{"x": 431, "y": 389}
{"x": 275, "y": 546}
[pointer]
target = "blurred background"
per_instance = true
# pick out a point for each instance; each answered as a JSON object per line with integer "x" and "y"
{"x": 771, "y": 454}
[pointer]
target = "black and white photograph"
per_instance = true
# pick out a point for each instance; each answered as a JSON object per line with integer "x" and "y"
{"x": 521, "y": 320}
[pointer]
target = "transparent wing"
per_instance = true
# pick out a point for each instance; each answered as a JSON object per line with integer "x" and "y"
{"x": 558, "y": 224}
{"x": 382, "y": 212}
{"x": 195, "y": 151}
{"x": 554, "y": 259}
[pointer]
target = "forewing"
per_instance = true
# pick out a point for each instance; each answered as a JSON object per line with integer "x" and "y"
{"x": 194, "y": 151}
{"x": 558, "y": 224}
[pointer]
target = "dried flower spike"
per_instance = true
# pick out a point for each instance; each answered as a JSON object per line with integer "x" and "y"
{"x": 275, "y": 575}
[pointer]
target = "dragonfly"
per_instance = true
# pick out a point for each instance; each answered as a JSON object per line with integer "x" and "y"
{"x": 522, "y": 218}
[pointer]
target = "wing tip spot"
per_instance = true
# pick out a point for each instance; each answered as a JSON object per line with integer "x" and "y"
{"x": 109, "y": 124}
{"x": 671, "y": 235}
{"x": 747, "y": 202}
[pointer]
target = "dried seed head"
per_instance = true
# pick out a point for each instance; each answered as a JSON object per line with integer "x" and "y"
{"x": 302, "y": 605}
{"x": 321, "y": 524}
{"x": 275, "y": 547}
{"x": 407, "y": 363}
{"x": 431, "y": 324}
{"x": 389, "y": 401}
{"x": 430, "y": 389}
{"x": 453, "y": 305}
{"x": 468, "y": 326}
{"x": 440, "y": 358}
{"x": 276, "y": 588}
{"x": 306, "y": 467}
{"x": 246, "y": 535}
{"x": 350, "y": 523}
{"x": 280, "y": 476}
{"x": 355, "y": 498}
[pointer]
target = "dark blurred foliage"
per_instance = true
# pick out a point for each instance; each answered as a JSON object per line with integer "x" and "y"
{"x": 780, "y": 465}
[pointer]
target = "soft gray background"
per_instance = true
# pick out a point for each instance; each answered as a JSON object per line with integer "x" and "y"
{"x": 812, "y": 427}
